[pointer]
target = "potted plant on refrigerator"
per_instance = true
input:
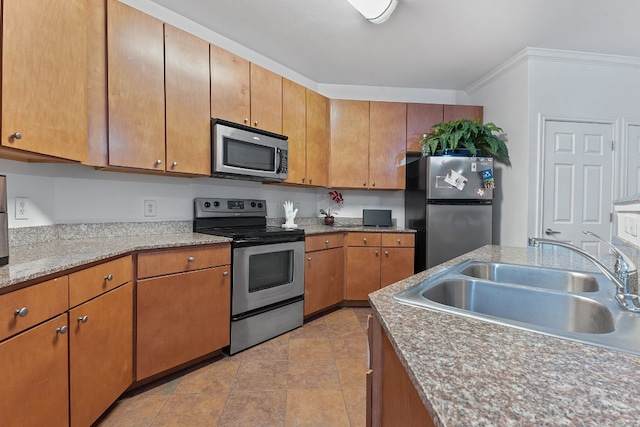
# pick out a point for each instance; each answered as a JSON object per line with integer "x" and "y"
{"x": 465, "y": 134}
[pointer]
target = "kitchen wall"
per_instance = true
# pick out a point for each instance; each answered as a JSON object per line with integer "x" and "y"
{"x": 537, "y": 84}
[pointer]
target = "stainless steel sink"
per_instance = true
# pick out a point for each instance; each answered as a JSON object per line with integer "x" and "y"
{"x": 566, "y": 312}
{"x": 548, "y": 278}
{"x": 574, "y": 305}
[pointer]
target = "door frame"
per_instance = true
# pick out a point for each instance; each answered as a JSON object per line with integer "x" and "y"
{"x": 620, "y": 147}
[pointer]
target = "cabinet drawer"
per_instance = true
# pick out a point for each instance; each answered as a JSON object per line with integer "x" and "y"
{"x": 324, "y": 241}
{"x": 38, "y": 303}
{"x": 93, "y": 281}
{"x": 363, "y": 239}
{"x": 403, "y": 240}
{"x": 184, "y": 259}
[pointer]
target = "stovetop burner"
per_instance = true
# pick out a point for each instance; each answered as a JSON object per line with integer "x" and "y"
{"x": 239, "y": 219}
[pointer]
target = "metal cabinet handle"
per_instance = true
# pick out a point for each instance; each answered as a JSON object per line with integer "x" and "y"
{"x": 398, "y": 240}
{"x": 225, "y": 273}
{"x": 373, "y": 183}
{"x": 62, "y": 329}
{"x": 83, "y": 319}
{"x": 386, "y": 253}
{"x": 376, "y": 252}
{"x": 16, "y": 135}
{"x": 326, "y": 242}
{"x": 22, "y": 312}
{"x": 158, "y": 162}
{"x": 175, "y": 164}
{"x": 310, "y": 180}
{"x": 549, "y": 232}
{"x": 364, "y": 240}
{"x": 108, "y": 277}
{"x": 190, "y": 259}
{"x": 309, "y": 259}
{"x": 303, "y": 178}
{"x": 364, "y": 183}
{"x": 246, "y": 120}
{"x": 256, "y": 123}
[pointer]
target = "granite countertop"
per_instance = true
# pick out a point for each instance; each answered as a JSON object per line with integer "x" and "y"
{"x": 33, "y": 261}
{"x": 469, "y": 372}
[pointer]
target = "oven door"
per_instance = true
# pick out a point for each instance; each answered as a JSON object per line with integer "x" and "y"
{"x": 266, "y": 274}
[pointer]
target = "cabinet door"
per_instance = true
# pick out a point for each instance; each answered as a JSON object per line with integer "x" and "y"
{"x": 35, "y": 377}
{"x": 230, "y": 80}
{"x": 100, "y": 353}
{"x": 349, "y": 144}
{"x": 180, "y": 318}
{"x": 44, "y": 77}
{"x": 456, "y": 112}
{"x": 318, "y": 139}
{"x": 420, "y": 120}
{"x": 395, "y": 264}
{"x": 323, "y": 279}
{"x": 387, "y": 145}
{"x": 135, "y": 57}
{"x": 266, "y": 99}
{"x": 294, "y": 124}
{"x": 188, "y": 116}
{"x": 363, "y": 273}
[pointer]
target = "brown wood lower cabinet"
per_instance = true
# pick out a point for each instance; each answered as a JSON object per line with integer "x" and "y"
{"x": 181, "y": 317}
{"x": 100, "y": 353}
{"x": 392, "y": 399}
{"x": 324, "y": 272}
{"x": 34, "y": 368}
{"x": 375, "y": 260}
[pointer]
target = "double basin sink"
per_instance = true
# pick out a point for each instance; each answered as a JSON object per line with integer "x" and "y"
{"x": 568, "y": 304}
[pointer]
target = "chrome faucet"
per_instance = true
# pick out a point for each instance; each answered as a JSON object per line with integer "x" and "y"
{"x": 624, "y": 274}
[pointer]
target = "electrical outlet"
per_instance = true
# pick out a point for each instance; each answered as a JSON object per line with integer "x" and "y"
{"x": 22, "y": 208}
{"x": 149, "y": 208}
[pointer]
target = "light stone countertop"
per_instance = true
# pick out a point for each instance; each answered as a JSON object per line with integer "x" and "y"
{"x": 37, "y": 260}
{"x": 474, "y": 373}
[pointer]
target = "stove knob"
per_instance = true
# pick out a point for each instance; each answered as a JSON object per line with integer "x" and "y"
{"x": 207, "y": 204}
{"x": 260, "y": 205}
{"x": 253, "y": 204}
{"x": 216, "y": 204}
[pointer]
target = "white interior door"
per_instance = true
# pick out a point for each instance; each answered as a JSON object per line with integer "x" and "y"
{"x": 578, "y": 182}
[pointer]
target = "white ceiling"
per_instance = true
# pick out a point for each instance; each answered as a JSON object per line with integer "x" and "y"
{"x": 436, "y": 44}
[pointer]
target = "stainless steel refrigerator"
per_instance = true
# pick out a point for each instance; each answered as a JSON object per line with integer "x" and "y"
{"x": 448, "y": 200}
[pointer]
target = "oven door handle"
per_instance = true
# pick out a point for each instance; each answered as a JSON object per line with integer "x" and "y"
{"x": 266, "y": 240}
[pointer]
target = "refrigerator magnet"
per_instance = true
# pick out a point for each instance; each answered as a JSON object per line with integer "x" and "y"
{"x": 455, "y": 179}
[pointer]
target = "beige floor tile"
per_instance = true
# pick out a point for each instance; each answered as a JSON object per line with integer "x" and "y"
{"x": 316, "y": 329}
{"x": 135, "y": 411}
{"x": 345, "y": 330}
{"x": 254, "y": 408}
{"x": 316, "y": 408}
{"x": 312, "y": 373}
{"x": 310, "y": 349}
{"x": 352, "y": 372}
{"x": 354, "y": 348}
{"x": 215, "y": 377}
{"x": 355, "y": 400}
{"x": 192, "y": 410}
{"x": 274, "y": 349}
{"x": 342, "y": 315}
{"x": 261, "y": 375}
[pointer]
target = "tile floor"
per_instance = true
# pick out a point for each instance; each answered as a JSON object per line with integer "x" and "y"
{"x": 312, "y": 376}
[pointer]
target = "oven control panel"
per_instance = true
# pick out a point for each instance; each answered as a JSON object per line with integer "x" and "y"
{"x": 216, "y": 207}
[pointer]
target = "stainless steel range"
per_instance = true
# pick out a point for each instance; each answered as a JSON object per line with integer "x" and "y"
{"x": 267, "y": 295}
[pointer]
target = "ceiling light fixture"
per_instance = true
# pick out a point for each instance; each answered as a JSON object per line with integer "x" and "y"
{"x": 376, "y": 11}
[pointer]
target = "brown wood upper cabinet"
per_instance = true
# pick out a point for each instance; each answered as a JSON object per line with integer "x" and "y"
{"x": 152, "y": 65}
{"x": 368, "y": 143}
{"x": 44, "y": 80}
{"x": 421, "y": 117}
{"x": 245, "y": 93}
{"x": 305, "y": 116}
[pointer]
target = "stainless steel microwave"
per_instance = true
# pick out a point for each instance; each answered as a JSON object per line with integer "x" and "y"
{"x": 242, "y": 152}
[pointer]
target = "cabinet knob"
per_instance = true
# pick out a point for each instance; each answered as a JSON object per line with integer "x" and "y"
{"x": 398, "y": 240}
{"x": 22, "y": 312}
{"x": 364, "y": 183}
{"x": 246, "y": 120}
{"x": 83, "y": 319}
{"x": 310, "y": 180}
{"x": 158, "y": 162}
{"x": 364, "y": 239}
{"x": 16, "y": 135}
{"x": 174, "y": 164}
{"x": 225, "y": 273}
{"x": 309, "y": 259}
{"x": 326, "y": 242}
{"x": 190, "y": 259}
{"x": 303, "y": 178}
{"x": 256, "y": 123}
{"x": 386, "y": 253}
{"x": 62, "y": 329}
{"x": 376, "y": 252}
{"x": 108, "y": 277}
{"x": 373, "y": 183}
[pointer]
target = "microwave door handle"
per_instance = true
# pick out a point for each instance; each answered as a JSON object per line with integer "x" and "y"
{"x": 279, "y": 167}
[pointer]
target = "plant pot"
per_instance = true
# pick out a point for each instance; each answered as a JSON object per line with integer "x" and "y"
{"x": 328, "y": 220}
